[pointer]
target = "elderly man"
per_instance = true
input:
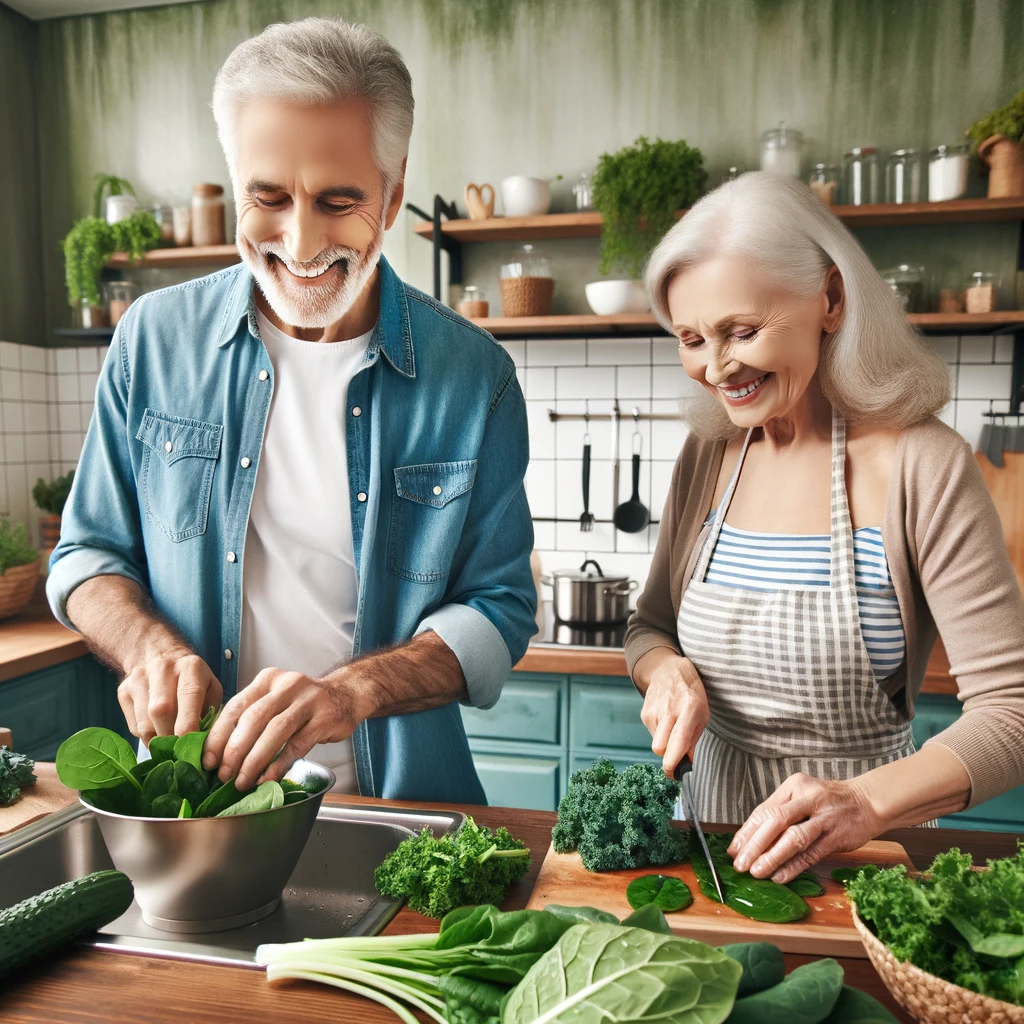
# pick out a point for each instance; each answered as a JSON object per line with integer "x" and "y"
{"x": 302, "y": 488}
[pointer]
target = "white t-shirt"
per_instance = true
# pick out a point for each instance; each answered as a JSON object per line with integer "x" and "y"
{"x": 299, "y": 585}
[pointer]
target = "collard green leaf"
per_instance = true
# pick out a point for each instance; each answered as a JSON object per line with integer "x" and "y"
{"x": 762, "y": 962}
{"x": 581, "y": 915}
{"x": 185, "y": 811}
{"x": 219, "y": 800}
{"x": 806, "y": 884}
{"x": 161, "y": 748}
{"x": 266, "y": 797}
{"x": 190, "y": 748}
{"x": 650, "y": 918}
{"x": 806, "y": 995}
{"x": 666, "y": 892}
{"x": 603, "y": 972}
{"x": 95, "y": 758}
{"x": 856, "y": 1007}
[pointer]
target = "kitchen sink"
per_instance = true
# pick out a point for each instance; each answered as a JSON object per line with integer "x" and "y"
{"x": 330, "y": 893}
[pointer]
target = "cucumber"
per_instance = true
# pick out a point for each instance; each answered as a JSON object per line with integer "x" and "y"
{"x": 41, "y": 924}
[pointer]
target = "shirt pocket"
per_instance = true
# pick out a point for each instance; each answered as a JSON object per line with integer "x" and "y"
{"x": 427, "y": 515}
{"x": 176, "y": 481}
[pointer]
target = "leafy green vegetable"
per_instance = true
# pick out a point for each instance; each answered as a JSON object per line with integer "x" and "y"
{"x": 190, "y": 748}
{"x": 267, "y": 797}
{"x": 223, "y": 796}
{"x": 166, "y": 805}
{"x": 762, "y": 962}
{"x": 664, "y": 891}
{"x": 95, "y": 758}
{"x": 295, "y": 796}
{"x": 16, "y": 772}
{"x": 856, "y": 1007}
{"x": 470, "y": 1001}
{"x": 651, "y": 918}
{"x": 620, "y": 819}
{"x": 161, "y": 748}
{"x": 806, "y": 884}
{"x": 15, "y": 548}
{"x": 52, "y": 497}
{"x": 846, "y": 874}
{"x": 185, "y": 811}
{"x": 123, "y": 799}
{"x": 603, "y": 972}
{"x": 211, "y": 716}
{"x": 581, "y": 915}
{"x": 9, "y": 788}
{"x": 436, "y": 875}
{"x": 806, "y": 995}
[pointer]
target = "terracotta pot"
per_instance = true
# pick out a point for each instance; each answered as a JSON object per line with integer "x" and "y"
{"x": 1005, "y": 159}
{"x": 49, "y": 531}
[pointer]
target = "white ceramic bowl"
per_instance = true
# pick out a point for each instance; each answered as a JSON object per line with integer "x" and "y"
{"x": 525, "y": 197}
{"x": 609, "y": 298}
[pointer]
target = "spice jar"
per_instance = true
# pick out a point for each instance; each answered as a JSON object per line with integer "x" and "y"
{"x": 951, "y": 300}
{"x": 907, "y": 282}
{"x": 947, "y": 173}
{"x": 526, "y": 283}
{"x": 824, "y": 182}
{"x": 860, "y": 166}
{"x": 782, "y": 151}
{"x": 120, "y": 295}
{"x": 980, "y": 294}
{"x": 903, "y": 176}
{"x": 208, "y": 215}
{"x": 473, "y": 305}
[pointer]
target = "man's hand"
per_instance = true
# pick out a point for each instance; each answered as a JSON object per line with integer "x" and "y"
{"x": 168, "y": 695}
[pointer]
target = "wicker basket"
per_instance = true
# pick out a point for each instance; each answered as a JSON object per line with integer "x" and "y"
{"x": 928, "y": 998}
{"x": 17, "y": 586}
{"x": 526, "y": 296}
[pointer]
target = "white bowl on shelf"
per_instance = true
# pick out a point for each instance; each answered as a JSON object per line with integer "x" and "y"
{"x": 611, "y": 298}
{"x": 522, "y": 196}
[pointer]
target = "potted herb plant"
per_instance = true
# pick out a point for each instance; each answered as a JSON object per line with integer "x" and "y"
{"x": 113, "y": 186}
{"x": 638, "y": 192}
{"x": 997, "y": 140}
{"x": 50, "y": 498}
{"x": 19, "y": 568}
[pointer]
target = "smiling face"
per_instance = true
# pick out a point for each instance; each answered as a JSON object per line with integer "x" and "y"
{"x": 750, "y": 341}
{"x": 311, "y": 207}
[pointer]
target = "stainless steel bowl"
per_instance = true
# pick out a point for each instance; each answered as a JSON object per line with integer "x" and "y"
{"x": 208, "y": 874}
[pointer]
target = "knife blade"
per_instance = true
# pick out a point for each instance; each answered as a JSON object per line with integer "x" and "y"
{"x": 683, "y": 774}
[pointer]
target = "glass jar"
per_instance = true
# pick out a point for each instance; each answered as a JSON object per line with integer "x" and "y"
{"x": 903, "y": 176}
{"x": 120, "y": 206}
{"x": 732, "y": 174}
{"x": 980, "y": 293}
{"x": 120, "y": 295}
{"x": 824, "y": 182}
{"x": 583, "y": 190}
{"x": 907, "y": 282}
{"x": 526, "y": 283}
{"x": 181, "y": 216}
{"x": 208, "y": 215}
{"x": 860, "y": 176}
{"x": 93, "y": 316}
{"x": 473, "y": 305}
{"x": 947, "y": 173}
{"x": 165, "y": 221}
{"x": 782, "y": 151}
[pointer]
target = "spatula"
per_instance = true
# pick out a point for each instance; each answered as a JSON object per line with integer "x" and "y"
{"x": 632, "y": 516}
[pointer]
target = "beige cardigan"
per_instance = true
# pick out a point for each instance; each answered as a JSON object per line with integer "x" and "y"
{"x": 951, "y": 571}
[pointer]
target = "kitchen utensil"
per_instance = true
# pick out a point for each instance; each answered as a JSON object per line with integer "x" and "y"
{"x": 208, "y": 874}
{"x": 615, "y": 456}
{"x": 585, "y": 598}
{"x": 610, "y": 298}
{"x": 632, "y": 516}
{"x": 479, "y": 207}
{"x": 683, "y": 774}
{"x": 826, "y": 931}
{"x": 587, "y": 519}
{"x": 522, "y": 196}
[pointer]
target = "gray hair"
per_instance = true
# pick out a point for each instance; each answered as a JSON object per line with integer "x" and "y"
{"x": 319, "y": 61}
{"x": 875, "y": 366}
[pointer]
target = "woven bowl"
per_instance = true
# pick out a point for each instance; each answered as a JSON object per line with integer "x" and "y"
{"x": 930, "y": 999}
{"x": 17, "y": 586}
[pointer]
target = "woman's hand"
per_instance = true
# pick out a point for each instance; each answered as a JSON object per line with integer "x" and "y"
{"x": 804, "y": 820}
{"x": 675, "y": 707}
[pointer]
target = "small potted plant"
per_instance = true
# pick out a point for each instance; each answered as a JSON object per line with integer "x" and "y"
{"x": 997, "y": 140}
{"x": 19, "y": 568}
{"x": 50, "y": 498}
{"x": 638, "y": 192}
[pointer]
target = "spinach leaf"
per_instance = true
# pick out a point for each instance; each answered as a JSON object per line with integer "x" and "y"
{"x": 166, "y": 805}
{"x": 581, "y": 915}
{"x": 607, "y": 972}
{"x": 847, "y": 874}
{"x": 220, "y": 798}
{"x": 95, "y": 758}
{"x": 856, "y": 1007}
{"x": 189, "y": 782}
{"x": 762, "y": 962}
{"x": 468, "y": 1001}
{"x": 650, "y": 918}
{"x": 206, "y": 724}
{"x": 190, "y": 748}
{"x": 1003, "y": 945}
{"x": 806, "y": 995}
{"x": 266, "y": 797}
{"x": 185, "y": 811}
{"x": 664, "y": 891}
{"x": 161, "y": 748}
{"x": 806, "y": 884}
{"x": 122, "y": 799}
{"x": 143, "y": 768}
{"x": 159, "y": 782}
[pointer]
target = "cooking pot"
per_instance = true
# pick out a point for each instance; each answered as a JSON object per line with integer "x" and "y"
{"x": 586, "y": 598}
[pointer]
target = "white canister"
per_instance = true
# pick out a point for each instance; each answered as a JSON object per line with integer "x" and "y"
{"x": 947, "y": 173}
{"x": 522, "y": 196}
{"x": 121, "y": 206}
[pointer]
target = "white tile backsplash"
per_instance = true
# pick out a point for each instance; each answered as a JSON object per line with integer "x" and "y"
{"x": 983, "y": 381}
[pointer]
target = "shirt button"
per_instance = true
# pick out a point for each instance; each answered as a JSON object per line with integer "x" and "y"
{"x": 231, "y": 556}
{"x": 228, "y": 655}
{"x": 246, "y": 462}
{"x": 168, "y": 447}
{"x": 437, "y": 490}
{"x": 264, "y": 375}
{"x": 357, "y": 411}
{"x": 361, "y": 496}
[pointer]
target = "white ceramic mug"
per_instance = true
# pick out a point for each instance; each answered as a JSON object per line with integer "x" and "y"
{"x": 525, "y": 197}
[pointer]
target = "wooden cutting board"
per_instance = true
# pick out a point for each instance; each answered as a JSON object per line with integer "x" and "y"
{"x": 35, "y": 802}
{"x": 827, "y": 931}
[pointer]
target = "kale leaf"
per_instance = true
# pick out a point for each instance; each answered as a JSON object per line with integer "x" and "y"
{"x": 19, "y": 765}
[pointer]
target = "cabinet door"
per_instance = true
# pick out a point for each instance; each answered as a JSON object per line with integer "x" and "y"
{"x": 528, "y": 711}
{"x": 580, "y": 760}
{"x": 42, "y": 709}
{"x": 533, "y": 783}
{"x": 607, "y": 716}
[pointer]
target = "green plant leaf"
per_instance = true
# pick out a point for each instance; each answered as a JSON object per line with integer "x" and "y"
{"x": 159, "y": 782}
{"x": 806, "y": 995}
{"x": 471, "y": 1001}
{"x": 265, "y": 797}
{"x": 998, "y": 944}
{"x": 856, "y": 1007}
{"x": 806, "y": 884}
{"x": 95, "y": 758}
{"x": 665, "y": 891}
{"x": 166, "y": 805}
{"x": 122, "y": 799}
{"x": 295, "y": 797}
{"x": 161, "y": 748}
{"x": 189, "y": 782}
{"x": 185, "y": 811}
{"x": 581, "y": 915}
{"x": 219, "y": 800}
{"x": 15, "y": 548}
{"x": 211, "y": 716}
{"x": 651, "y": 918}
{"x": 762, "y": 962}
{"x": 190, "y": 748}
{"x": 143, "y": 768}
{"x": 51, "y": 497}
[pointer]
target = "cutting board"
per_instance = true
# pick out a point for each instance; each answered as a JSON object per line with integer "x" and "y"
{"x": 35, "y": 802}
{"x": 826, "y": 931}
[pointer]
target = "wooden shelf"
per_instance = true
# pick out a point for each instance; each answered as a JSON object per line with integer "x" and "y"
{"x": 186, "y": 256}
{"x": 588, "y": 225}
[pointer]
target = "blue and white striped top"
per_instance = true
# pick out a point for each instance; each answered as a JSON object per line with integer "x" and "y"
{"x": 782, "y": 561}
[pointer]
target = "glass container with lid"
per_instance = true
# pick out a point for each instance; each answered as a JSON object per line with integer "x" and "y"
{"x": 980, "y": 293}
{"x": 120, "y": 206}
{"x": 583, "y": 190}
{"x": 947, "y": 172}
{"x": 208, "y": 226}
{"x": 165, "y": 221}
{"x": 782, "y": 151}
{"x": 907, "y": 282}
{"x": 860, "y": 167}
{"x": 824, "y": 182}
{"x": 903, "y": 176}
{"x": 526, "y": 283}
{"x": 473, "y": 304}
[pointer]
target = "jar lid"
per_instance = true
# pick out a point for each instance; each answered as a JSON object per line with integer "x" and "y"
{"x": 950, "y": 150}
{"x": 526, "y": 261}
{"x": 207, "y": 190}
{"x": 863, "y": 151}
{"x": 781, "y": 134}
{"x": 903, "y": 152}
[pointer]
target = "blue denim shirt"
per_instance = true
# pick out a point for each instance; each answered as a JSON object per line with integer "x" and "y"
{"x": 166, "y": 476}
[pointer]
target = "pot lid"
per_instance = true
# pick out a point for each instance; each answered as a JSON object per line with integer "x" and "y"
{"x": 583, "y": 574}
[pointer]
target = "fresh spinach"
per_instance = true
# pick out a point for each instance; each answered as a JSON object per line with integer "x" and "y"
{"x": 185, "y": 811}
{"x": 211, "y": 716}
{"x": 220, "y": 798}
{"x": 166, "y": 805}
{"x": 847, "y": 874}
{"x": 581, "y": 915}
{"x": 807, "y": 995}
{"x": 806, "y": 884}
{"x": 650, "y": 918}
{"x": 665, "y": 891}
{"x": 190, "y": 748}
{"x": 266, "y": 797}
{"x": 856, "y": 1007}
{"x": 597, "y": 971}
{"x": 161, "y": 748}
{"x": 295, "y": 797}
{"x": 123, "y": 799}
{"x": 95, "y": 758}
{"x": 469, "y": 1001}
{"x": 762, "y": 962}
{"x": 168, "y": 784}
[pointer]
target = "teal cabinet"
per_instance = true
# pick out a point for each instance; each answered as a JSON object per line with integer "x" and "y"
{"x": 531, "y": 711}
{"x": 535, "y": 783}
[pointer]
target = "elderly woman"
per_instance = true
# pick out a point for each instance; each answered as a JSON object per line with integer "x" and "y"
{"x": 821, "y": 526}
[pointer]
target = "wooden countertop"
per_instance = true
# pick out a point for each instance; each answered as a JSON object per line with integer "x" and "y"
{"x": 87, "y": 986}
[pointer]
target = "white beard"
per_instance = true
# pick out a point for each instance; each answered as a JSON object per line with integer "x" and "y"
{"x": 318, "y": 306}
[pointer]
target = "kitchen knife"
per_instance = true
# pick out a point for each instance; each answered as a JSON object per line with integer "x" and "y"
{"x": 683, "y": 775}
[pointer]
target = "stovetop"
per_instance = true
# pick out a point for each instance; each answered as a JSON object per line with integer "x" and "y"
{"x": 560, "y": 634}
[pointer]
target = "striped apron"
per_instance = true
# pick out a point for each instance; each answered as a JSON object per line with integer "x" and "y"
{"x": 788, "y": 676}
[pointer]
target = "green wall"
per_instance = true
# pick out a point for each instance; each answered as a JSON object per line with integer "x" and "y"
{"x": 21, "y": 263}
{"x": 536, "y": 88}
